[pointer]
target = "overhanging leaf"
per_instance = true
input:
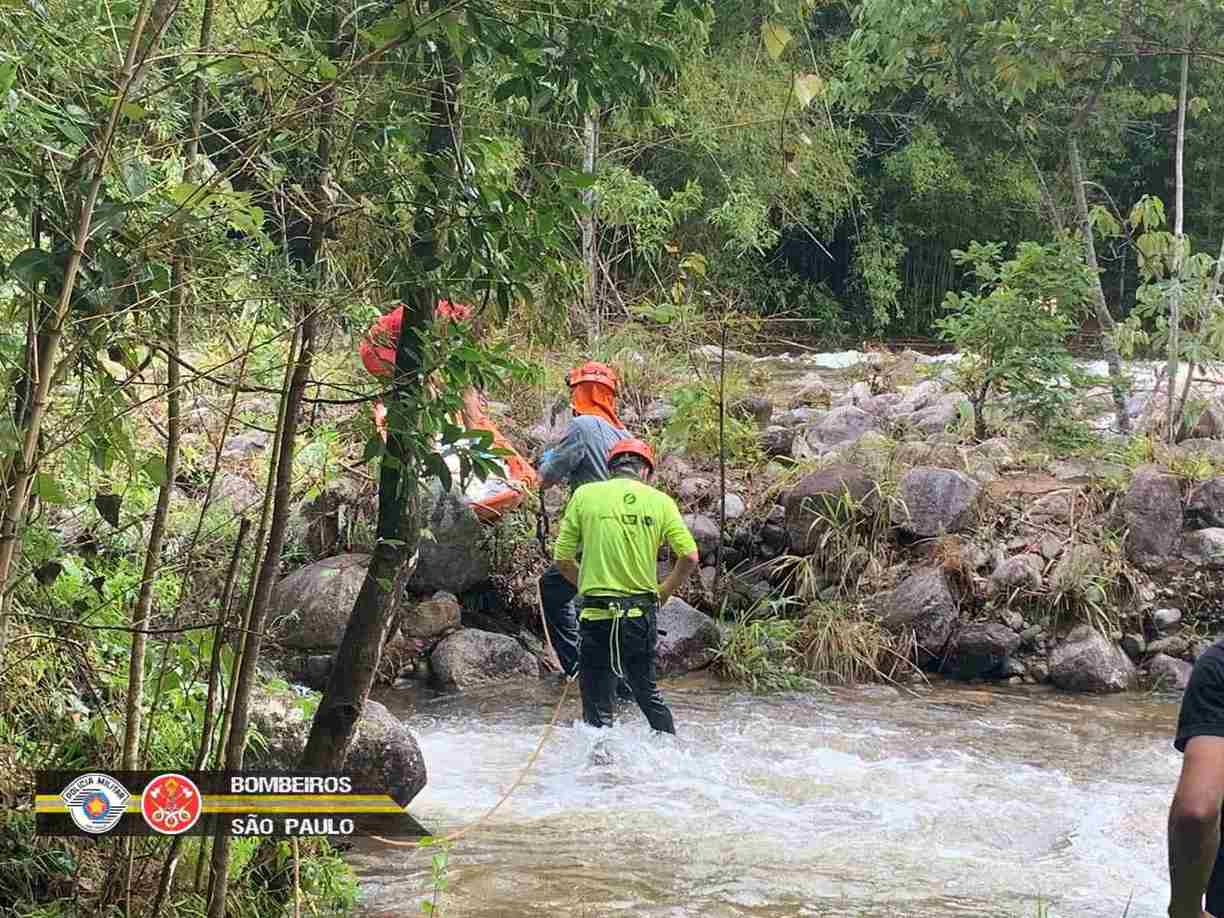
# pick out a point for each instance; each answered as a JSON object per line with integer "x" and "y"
{"x": 155, "y": 468}
{"x": 48, "y": 573}
{"x": 31, "y": 266}
{"x": 49, "y": 489}
{"x": 108, "y": 506}
{"x": 776, "y": 38}
{"x": 807, "y": 88}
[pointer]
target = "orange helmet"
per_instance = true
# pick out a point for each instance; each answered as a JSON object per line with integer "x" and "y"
{"x": 633, "y": 447}
{"x": 592, "y": 372}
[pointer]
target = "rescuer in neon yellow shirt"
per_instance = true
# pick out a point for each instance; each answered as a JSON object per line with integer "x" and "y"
{"x": 619, "y": 526}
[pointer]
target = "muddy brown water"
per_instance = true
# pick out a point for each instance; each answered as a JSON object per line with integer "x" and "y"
{"x": 869, "y": 802}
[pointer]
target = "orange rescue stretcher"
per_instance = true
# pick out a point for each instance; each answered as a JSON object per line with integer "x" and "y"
{"x": 494, "y": 497}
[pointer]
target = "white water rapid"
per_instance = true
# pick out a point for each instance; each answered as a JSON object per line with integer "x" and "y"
{"x": 868, "y": 802}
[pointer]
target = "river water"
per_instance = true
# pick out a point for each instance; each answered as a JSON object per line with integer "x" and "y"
{"x": 867, "y": 802}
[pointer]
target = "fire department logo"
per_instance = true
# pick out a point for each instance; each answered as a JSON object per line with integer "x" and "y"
{"x": 171, "y": 804}
{"x": 96, "y": 802}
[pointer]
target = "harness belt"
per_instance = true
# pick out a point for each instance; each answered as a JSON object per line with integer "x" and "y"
{"x": 602, "y": 608}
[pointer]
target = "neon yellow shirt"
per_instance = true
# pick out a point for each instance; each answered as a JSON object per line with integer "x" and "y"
{"x": 619, "y": 526}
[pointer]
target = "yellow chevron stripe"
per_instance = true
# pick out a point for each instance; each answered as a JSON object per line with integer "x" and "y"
{"x": 258, "y": 809}
{"x": 269, "y": 796}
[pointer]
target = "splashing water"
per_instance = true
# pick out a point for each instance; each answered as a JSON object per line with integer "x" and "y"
{"x": 870, "y": 802}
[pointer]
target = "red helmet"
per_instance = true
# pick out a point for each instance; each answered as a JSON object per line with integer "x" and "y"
{"x": 633, "y": 447}
{"x": 593, "y": 372}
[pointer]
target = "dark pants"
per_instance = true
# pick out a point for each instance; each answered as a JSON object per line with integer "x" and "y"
{"x": 635, "y": 656}
{"x": 557, "y": 595}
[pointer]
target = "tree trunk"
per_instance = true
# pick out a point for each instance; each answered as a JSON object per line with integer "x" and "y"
{"x": 157, "y": 531}
{"x": 268, "y": 572}
{"x": 1104, "y": 319}
{"x": 590, "y": 155}
{"x": 1175, "y": 301}
{"x": 356, "y": 662}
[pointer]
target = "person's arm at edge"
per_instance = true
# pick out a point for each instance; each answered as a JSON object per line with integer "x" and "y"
{"x": 1194, "y": 815}
{"x": 559, "y": 461}
{"x": 685, "y": 565}
{"x": 569, "y": 570}
{"x": 569, "y": 537}
{"x": 681, "y": 542}
{"x": 1194, "y": 825}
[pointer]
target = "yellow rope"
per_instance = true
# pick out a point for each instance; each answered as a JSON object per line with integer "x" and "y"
{"x": 459, "y": 833}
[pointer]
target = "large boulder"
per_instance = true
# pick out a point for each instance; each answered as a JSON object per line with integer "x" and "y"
{"x": 1169, "y": 673}
{"x": 937, "y": 501}
{"x": 1167, "y": 621}
{"x": 1087, "y": 661}
{"x": 778, "y": 441}
{"x": 941, "y": 416}
{"x": 457, "y": 557}
{"x": 246, "y": 444}
{"x": 734, "y": 507}
{"x": 818, "y": 495}
{"x": 980, "y": 650}
{"x": 861, "y": 396}
{"x": 809, "y": 391}
{"x": 705, "y": 533}
{"x": 690, "y": 640}
{"x": 312, "y": 606}
{"x": 923, "y": 604}
{"x": 916, "y": 398}
{"x": 235, "y": 493}
{"x": 998, "y": 450}
{"x": 754, "y": 408}
{"x": 843, "y": 425}
{"x": 1204, "y": 548}
{"x": 384, "y": 753}
{"x": 1205, "y": 509}
{"x": 322, "y": 525}
{"x": 470, "y": 657}
{"x": 431, "y": 618}
{"x": 692, "y": 490}
{"x": 1152, "y": 515}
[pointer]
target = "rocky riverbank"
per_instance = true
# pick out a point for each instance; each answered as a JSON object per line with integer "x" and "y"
{"x": 1098, "y": 570}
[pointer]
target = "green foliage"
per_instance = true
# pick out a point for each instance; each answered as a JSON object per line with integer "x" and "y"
{"x": 1093, "y": 588}
{"x": 695, "y": 425}
{"x": 1169, "y": 272}
{"x": 769, "y": 649}
{"x": 1012, "y": 332}
{"x": 31, "y": 869}
{"x": 439, "y": 873}
{"x": 849, "y": 540}
{"x": 761, "y": 652}
{"x": 877, "y": 263}
{"x": 631, "y": 203}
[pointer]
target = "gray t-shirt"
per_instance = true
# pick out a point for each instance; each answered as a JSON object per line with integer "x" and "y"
{"x": 582, "y": 455}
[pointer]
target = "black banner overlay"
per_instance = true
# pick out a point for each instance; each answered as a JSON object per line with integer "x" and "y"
{"x": 265, "y": 803}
